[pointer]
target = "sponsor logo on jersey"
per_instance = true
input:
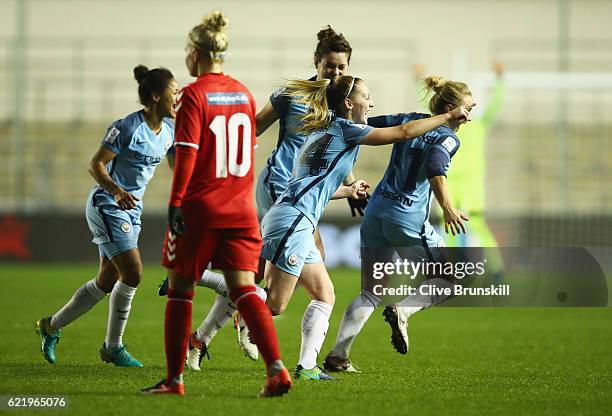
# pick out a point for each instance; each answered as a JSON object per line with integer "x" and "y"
{"x": 112, "y": 135}
{"x": 394, "y": 196}
{"x": 292, "y": 260}
{"x": 227, "y": 98}
{"x": 449, "y": 144}
{"x": 149, "y": 160}
{"x": 126, "y": 227}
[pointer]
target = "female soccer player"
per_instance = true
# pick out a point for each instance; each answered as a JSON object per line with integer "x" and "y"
{"x": 211, "y": 216}
{"x": 331, "y": 59}
{"x": 123, "y": 166}
{"x": 325, "y": 159}
{"x": 398, "y": 212}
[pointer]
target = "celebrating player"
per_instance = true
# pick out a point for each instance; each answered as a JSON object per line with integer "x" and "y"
{"x": 123, "y": 166}
{"x": 331, "y": 59}
{"x": 325, "y": 159}
{"x": 212, "y": 217}
{"x": 398, "y": 212}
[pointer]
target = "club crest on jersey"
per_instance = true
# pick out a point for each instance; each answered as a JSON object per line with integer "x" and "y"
{"x": 112, "y": 135}
{"x": 449, "y": 144}
{"x": 292, "y": 260}
{"x": 125, "y": 227}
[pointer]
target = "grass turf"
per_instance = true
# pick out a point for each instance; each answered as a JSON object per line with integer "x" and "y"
{"x": 461, "y": 361}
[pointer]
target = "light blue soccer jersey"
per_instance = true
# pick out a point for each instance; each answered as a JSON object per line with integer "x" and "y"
{"x": 279, "y": 165}
{"x": 404, "y": 195}
{"x": 139, "y": 150}
{"x": 325, "y": 159}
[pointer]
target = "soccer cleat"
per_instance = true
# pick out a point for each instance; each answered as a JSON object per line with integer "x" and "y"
{"x": 278, "y": 385}
{"x": 49, "y": 338}
{"x": 313, "y": 374}
{"x": 399, "y": 328}
{"x": 244, "y": 339}
{"x": 163, "y": 288}
{"x": 162, "y": 388}
{"x": 119, "y": 356}
{"x": 197, "y": 350}
{"x": 336, "y": 364}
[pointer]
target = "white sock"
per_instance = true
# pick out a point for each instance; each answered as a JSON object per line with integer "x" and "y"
{"x": 314, "y": 328}
{"x": 355, "y": 317}
{"x": 412, "y": 304}
{"x": 82, "y": 301}
{"x": 118, "y": 312}
{"x": 218, "y": 315}
{"x": 214, "y": 281}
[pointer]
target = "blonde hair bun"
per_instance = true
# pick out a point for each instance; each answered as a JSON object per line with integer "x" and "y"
{"x": 215, "y": 21}
{"x": 434, "y": 83}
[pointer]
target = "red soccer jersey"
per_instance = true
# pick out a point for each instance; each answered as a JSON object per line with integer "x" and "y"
{"x": 216, "y": 117}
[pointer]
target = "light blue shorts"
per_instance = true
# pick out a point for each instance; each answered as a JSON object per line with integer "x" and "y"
{"x": 376, "y": 232}
{"x": 263, "y": 198}
{"x": 288, "y": 239}
{"x": 114, "y": 230}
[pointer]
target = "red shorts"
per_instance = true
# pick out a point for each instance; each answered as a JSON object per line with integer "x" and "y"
{"x": 227, "y": 248}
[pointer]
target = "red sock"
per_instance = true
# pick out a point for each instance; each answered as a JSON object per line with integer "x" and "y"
{"x": 259, "y": 320}
{"x": 177, "y": 329}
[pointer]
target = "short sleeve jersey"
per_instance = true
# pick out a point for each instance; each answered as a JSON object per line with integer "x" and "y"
{"x": 139, "y": 150}
{"x": 216, "y": 116}
{"x": 280, "y": 163}
{"x": 326, "y": 158}
{"x": 403, "y": 196}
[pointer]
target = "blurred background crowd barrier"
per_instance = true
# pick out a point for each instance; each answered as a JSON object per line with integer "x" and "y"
{"x": 66, "y": 74}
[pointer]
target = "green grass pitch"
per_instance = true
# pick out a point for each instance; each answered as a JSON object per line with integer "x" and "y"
{"x": 462, "y": 360}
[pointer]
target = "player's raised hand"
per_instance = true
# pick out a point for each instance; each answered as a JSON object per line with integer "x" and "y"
{"x": 498, "y": 68}
{"x": 453, "y": 221}
{"x": 419, "y": 71}
{"x": 124, "y": 199}
{"x": 175, "y": 220}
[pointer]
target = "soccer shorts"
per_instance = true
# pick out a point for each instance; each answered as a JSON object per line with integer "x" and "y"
{"x": 113, "y": 229}
{"x": 225, "y": 248}
{"x": 288, "y": 239}
{"x": 263, "y": 198}
{"x": 376, "y": 232}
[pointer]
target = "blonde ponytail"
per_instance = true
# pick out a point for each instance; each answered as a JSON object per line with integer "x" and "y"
{"x": 314, "y": 95}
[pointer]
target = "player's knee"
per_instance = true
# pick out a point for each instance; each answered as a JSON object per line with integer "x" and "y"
{"x": 324, "y": 294}
{"x": 132, "y": 276}
{"x": 276, "y": 308}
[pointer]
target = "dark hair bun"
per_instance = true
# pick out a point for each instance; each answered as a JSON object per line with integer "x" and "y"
{"x": 326, "y": 33}
{"x": 140, "y": 72}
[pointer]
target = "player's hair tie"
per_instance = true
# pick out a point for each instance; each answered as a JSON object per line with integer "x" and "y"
{"x": 350, "y": 89}
{"x": 222, "y": 56}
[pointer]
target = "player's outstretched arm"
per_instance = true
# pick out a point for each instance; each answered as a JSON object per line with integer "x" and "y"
{"x": 97, "y": 169}
{"x": 453, "y": 218}
{"x": 414, "y": 129}
{"x": 265, "y": 118}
